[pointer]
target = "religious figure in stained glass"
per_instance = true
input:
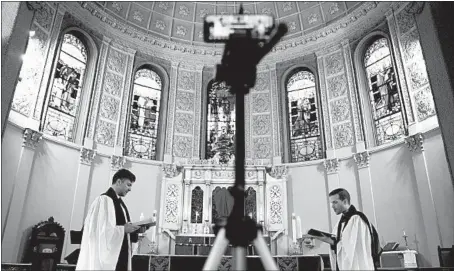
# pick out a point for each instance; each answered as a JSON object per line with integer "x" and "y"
{"x": 221, "y": 123}
{"x": 383, "y": 92}
{"x": 144, "y": 116}
{"x": 65, "y": 93}
{"x": 303, "y": 117}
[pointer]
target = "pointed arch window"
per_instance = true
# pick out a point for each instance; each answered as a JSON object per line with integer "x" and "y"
{"x": 305, "y": 138}
{"x": 144, "y": 115}
{"x": 63, "y": 106}
{"x": 383, "y": 92}
{"x": 221, "y": 123}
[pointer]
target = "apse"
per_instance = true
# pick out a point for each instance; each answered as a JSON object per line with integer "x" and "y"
{"x": 345, "y": 99}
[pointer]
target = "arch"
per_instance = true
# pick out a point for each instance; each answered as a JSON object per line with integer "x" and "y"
{"x": 72, "y": 88}
{"x": 370, "y": 119}
{"x": 314, "y": 148}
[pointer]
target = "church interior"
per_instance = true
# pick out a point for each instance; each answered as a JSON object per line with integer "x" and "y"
{"x": 357, "y": 95}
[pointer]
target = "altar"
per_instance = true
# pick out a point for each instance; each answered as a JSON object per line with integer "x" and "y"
{"x": 196, "y": 194}
{"x": 183, "y": 263}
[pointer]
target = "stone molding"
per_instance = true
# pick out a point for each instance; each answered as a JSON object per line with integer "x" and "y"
{"x": 171, "y": 170}
{"x": 331, "y": 165}
{"x": 415, "y": 142}
{"x": 277, "y": 172}
{"x": 31, "y": 138}
{"x": 362, "y": 159}
{"x": 87, "y": 156}
{"x": 117, "y": 162}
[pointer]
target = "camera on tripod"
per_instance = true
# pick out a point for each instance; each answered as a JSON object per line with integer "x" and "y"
{"x": 219, "y": 28}
{"x": 247, "y": 38}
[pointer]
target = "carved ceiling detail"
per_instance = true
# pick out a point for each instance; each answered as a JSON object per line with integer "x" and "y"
{"x": 177, "y": 51}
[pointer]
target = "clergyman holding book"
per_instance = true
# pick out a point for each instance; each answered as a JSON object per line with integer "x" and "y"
{"x": 353, "y": 240}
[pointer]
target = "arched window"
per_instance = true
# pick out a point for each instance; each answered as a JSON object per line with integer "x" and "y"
{"x": 60, "y": 119}
{"x": 305, "y": 138}
{"x": 221, "y": 123}
{"x": 144, "y": 115}
{"x": 383, "y": 92}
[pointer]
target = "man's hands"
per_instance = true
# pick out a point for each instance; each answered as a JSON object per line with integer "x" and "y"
{"x": 323, "y": 239}
{"x": 129, "y": 228}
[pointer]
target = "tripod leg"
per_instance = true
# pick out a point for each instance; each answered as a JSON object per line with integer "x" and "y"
{"x": 264, "y": 253}
{"x": 217, "y": 251}
{"x": 239, "y": 258}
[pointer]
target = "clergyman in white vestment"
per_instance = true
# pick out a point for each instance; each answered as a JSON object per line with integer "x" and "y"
{"x": 107, "y": 232}
{"x": 351, "y": 246}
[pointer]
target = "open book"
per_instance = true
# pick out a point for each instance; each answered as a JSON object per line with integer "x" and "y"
{"x": 315, "y": 232}
{"x": 145, "y": 223}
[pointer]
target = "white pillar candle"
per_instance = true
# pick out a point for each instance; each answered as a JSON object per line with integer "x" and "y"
{"x": 299, "y": 233}
{"x": 153, "y": 228}
{"x": 293, "y": 228}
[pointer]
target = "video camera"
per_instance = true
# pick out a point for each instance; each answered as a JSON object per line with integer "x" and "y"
{"x": 219, "y": 28}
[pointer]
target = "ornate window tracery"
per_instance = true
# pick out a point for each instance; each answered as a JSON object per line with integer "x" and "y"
{"x": 63, "y": 106}
{"x": 220, "y": 123}
{"x": 383, "y": 92}
{"x": 305, "y": 137}
{"x": 144, "y": 115}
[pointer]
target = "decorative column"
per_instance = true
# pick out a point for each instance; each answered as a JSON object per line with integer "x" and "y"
{"x": 80, "y": 196}
{"x": 332, "y": 179}
{"x": 12, "y": 231}
{"x": 168, "y": 154}
{"x": 423, "y": 183}
{"x": 365, "y": 179}
{"x": 186, "y": 206}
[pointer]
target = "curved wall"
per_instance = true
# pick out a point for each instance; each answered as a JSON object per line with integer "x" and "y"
{"x": 398, "y": 187}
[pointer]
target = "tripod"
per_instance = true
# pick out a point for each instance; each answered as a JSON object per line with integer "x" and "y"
{"x": 238, "y": 69}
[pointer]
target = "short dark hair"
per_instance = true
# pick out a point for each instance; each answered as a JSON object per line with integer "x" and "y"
{"x": 123, "y": 174}
{"x": 343, "y": 194}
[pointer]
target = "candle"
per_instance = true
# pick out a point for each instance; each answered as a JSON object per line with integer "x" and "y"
{"x": 404, "y": 232}
{"x": 153, "y": 228}
{"x": 293, "y": 228}
{"x": 196, "y": 216}
{"x": 250, "y": 215}
{"x": 299, "y": 232}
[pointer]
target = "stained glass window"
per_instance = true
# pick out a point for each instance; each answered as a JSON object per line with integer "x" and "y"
{"x": 221, "y": 123}
{"x": 144, "y": 116}
{"x": 305, "y": 139}
{"x": 197, "y": 205}
{"x": 64, "y": 97}
{"x": 383, "y": 92}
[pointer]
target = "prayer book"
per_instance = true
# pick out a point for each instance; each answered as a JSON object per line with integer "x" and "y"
{"x": 145, "y": 223}
{"x": 315, "y": 232}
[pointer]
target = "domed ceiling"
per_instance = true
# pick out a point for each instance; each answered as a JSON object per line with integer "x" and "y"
{"x": 183, "y": 21}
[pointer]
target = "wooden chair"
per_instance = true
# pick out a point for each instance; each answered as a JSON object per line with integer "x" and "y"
{"x": 446, "y": 256}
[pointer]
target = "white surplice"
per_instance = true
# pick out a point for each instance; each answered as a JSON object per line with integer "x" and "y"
{"x": 102, "y": 238}
{"x": 354, "y": 251}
